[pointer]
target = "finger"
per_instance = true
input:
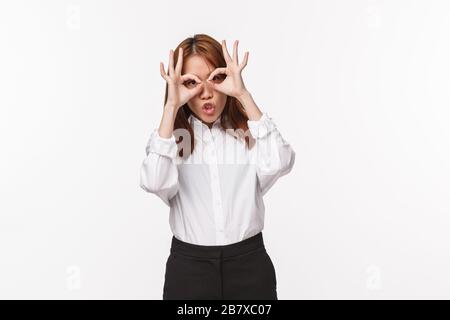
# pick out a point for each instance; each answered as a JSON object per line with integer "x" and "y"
{"x": 162, "y": 71}
{"x": 216, "y": 72}
{"x": 179, "y": 61}
{"x": 171, "y": 69}
{"x": 235, "y": 52}
{"x": 217, "y": 87}
{"x": 189, "y": 76}
{"x": 226, "y": 55}
{"x": 212, "y": 85}
{"x": 244, "y": 63}
{"x": 198, "y": 88}
{"x": 195, "y": 91}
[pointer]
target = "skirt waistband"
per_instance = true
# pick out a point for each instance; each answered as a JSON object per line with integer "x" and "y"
{"x": 253, "y": 243}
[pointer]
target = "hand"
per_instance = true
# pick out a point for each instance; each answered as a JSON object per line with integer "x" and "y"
{"x": 232, "y": 85}
{"x": 178, "y": 94}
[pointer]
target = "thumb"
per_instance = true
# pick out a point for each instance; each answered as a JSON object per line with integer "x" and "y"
{"x": 216, "y": 86}
{"x": 212, "y": 83}
{"x": 198, "y": 88}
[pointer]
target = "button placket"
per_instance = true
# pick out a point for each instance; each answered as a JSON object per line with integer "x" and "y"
{"x": 217, "y": 201}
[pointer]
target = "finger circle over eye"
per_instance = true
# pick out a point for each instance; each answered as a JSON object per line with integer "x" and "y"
{"x": 188, "y": 76}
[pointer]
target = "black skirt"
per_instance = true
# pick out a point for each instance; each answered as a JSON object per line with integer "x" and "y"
{"x": 241, "y": 270}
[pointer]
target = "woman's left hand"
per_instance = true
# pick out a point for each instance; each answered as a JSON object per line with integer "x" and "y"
{"x": 232, "y": 85}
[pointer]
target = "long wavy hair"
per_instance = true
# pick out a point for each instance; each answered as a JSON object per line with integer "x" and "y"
{"x": 233, "y": 115}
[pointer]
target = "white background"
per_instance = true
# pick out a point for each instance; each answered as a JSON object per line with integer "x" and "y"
{"x": 360, "y": 89}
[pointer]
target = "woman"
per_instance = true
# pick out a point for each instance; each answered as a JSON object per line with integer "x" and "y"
{"x": 213, "y": 157}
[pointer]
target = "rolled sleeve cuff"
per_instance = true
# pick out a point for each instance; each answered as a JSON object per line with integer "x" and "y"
{"x": 262, "y": 127}
{"x": 163, "y": 146}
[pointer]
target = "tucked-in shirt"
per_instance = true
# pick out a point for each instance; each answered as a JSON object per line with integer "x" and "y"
{"x": 216, "y": 194}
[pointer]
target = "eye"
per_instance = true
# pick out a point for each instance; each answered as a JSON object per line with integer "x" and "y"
{"x": 190, "y": 83}
{"x": 219, "y": 78}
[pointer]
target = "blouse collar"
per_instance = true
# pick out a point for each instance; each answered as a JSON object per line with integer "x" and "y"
{"x": 193, "y": 119}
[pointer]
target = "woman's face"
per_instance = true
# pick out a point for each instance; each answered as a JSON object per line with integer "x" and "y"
{"x": 208, "y": 114}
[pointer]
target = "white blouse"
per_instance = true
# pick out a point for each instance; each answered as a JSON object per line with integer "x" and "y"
{"x": 215, "y": 195}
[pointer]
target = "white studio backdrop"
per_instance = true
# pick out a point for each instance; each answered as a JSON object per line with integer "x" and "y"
{"x": 360, "y": 89}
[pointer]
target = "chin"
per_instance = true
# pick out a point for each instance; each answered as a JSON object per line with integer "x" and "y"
{"x": 209, "y": 117}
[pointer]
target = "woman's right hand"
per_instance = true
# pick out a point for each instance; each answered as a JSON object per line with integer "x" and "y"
{"x": 178, "y": 94}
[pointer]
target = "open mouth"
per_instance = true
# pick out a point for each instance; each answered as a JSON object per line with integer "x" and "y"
{"x": 208, "y": 108}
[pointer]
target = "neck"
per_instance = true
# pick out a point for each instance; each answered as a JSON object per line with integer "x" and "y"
{"x": 207, "y": 124}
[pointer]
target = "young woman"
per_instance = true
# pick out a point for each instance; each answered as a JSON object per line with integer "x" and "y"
{"x": 213, "y": 157}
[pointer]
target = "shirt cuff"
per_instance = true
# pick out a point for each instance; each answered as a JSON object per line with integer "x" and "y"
{"x": 163, "y": 146}
{"x": 262, "y": 127}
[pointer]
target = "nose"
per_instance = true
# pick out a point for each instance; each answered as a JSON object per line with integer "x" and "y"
{"x": 207, "y": 90}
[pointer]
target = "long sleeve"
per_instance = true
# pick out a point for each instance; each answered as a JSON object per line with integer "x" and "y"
{"x": 275, "y": 156}
{"x": 159, "y": 173}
